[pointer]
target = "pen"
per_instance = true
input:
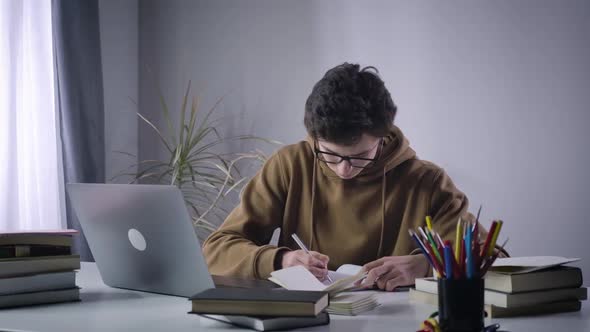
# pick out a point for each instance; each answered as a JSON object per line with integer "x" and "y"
{"x": 304, "y": 248}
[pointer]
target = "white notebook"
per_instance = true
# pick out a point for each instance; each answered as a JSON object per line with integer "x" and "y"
{"x": 342, "y": 301}
{"x": 299, "y": 278}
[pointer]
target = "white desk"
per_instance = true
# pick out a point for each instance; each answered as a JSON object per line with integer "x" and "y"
{"x": 109, "y": 309}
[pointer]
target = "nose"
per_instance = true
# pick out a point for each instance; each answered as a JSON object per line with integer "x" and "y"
{"x": 344, "y": 169}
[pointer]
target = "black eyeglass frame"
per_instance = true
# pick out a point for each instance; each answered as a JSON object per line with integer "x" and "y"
{"x": 370, "y": 163}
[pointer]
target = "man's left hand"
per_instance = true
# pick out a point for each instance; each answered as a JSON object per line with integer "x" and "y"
{"x": 390, "y": 272}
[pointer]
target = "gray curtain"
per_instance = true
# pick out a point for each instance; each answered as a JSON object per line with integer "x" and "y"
{"x": 79, "y": 95}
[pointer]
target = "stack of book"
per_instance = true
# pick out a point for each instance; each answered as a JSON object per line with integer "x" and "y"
{"x": 512, "y": 290}
{"x": 262, "y": 309}
{"x": 37, "y": 267}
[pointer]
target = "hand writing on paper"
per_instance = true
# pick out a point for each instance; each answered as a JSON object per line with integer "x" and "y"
{"x": 390, "y": 272}
{"x": 315, "y": 262}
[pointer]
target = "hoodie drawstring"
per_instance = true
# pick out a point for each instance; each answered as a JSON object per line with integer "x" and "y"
{"x": 383, "y": 185}
{"x": 311, "y": 217}
{"x": 311, "y": 231}
{"x": 399, "y": 152}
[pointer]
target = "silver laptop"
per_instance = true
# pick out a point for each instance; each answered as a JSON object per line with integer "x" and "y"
{"x": 142, "y": 237}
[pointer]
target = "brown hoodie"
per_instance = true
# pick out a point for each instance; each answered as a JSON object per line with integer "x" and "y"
{"x": 352, "y": 221}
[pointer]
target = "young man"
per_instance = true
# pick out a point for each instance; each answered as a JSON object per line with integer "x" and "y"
{"x": 350, "y": 191}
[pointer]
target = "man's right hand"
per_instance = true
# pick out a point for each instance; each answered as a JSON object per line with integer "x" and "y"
{"x": 315, "y": 262}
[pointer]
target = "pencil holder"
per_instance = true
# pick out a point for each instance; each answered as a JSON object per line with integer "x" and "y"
{"x": 460, "y": 305}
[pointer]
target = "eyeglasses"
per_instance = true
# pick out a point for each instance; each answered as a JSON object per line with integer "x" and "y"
{"x": 356, "y": 162}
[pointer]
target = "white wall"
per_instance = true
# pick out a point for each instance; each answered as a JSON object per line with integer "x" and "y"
{"x": 119, "y": 34}
{"x": 496, "y": 92}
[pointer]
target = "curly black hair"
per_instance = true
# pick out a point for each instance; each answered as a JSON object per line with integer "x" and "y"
{"x": 347, "y": 103}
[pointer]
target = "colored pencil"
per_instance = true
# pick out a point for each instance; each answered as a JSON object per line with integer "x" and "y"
{"x": 448, "y": 260}
{"x": 495, "y": 238}
{"x": 458, "y": 240}
{"x": 422, "y": 248}
{"x": 470, "y": 257}
{"x": 492, "y": 259}
{"x": 484, "y": 250}
{"x": 469, "y": 268}
{"x": 434, "y": 246}
{"x": 429, "y": 223}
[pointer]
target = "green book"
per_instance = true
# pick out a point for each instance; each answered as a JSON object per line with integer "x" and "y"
{"x": 493, "y": 311}
{"x": 259, "y": 302}
{"x": 45, "y": 297}
{"x": 32, "y": 250}
{"x": 510, "y": 300}
{"x": 37, "y": 283}
{"x": 560, "y": 277}
{"x": 15, "y": 267}
{"x": 60, "y": 237}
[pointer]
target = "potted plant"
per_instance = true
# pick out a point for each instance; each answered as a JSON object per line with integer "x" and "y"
{"x": 205, "y": 176}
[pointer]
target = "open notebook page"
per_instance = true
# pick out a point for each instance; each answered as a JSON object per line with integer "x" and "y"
{"x": 299, "y": 278}
{"x": 351, "y": 269}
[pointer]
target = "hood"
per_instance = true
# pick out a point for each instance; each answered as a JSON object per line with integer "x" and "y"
{"x": 396, "y": 149}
